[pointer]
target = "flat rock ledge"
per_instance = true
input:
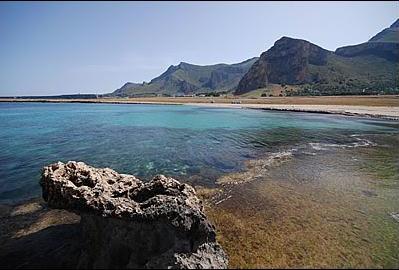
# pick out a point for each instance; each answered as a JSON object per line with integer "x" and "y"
{"x": 127, "y": 223}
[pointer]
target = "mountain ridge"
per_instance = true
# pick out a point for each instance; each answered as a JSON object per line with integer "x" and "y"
{"x": 355, "y": 69}
{"x": 390, "y": 34}
{"x": 188, "y": 79}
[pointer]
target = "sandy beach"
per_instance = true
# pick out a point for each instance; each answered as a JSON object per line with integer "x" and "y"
{"x": 385, "y": 112}
{"x": 386, "y": 107}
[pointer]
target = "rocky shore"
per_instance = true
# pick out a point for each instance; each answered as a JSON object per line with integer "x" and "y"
{"x": 117, "y": 221}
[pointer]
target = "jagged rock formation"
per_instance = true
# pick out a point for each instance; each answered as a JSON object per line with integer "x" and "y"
{"x": 126, "y": 223}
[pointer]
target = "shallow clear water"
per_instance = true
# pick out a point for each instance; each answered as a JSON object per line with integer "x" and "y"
{"x": 194, "y": 144}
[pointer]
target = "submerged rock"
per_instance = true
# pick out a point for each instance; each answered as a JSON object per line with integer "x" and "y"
{"x": 126, "y": 223}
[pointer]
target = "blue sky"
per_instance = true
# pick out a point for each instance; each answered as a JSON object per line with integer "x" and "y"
{"x": 95, "y": 47}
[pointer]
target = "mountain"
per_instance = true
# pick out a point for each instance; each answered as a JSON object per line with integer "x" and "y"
{"x": 311, "y": 70}
{"x": 390, "y": 34}
{"x": 385, "y": 44}
{"x": 186, "y": 79}
{"x": 386, "y": 50}
{"x": 290, "y": 67}
{"x": 288, "y": 61}
{"x": 125, "y": 88}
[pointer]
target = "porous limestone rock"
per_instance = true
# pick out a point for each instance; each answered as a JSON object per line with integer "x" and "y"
{"x": 126, "y": 223}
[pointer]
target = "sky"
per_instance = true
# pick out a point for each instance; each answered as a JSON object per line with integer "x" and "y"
{"x": 49, "y": 48}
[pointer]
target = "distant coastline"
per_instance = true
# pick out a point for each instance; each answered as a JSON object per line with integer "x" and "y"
{"x": 384, "y": 107}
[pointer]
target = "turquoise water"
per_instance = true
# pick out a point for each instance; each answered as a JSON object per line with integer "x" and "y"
{"x": 194, "y": 144}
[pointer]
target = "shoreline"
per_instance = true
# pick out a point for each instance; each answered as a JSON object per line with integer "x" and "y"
{"x": 381, "y": 112}
{"x": 386, "y": 107}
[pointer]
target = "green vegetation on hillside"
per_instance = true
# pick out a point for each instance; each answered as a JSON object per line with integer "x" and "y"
{"x": 290, "y": 67}
{"x": 188, "y": 79}
{"x": 363, "y": 75}
{"x": 369, "y": 68}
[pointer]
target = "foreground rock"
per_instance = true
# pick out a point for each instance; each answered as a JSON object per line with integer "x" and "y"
{"x": 126, "y": 223}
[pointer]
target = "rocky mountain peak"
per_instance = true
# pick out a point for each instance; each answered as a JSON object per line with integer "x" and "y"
{"x": 285, "y": 39}
{"x": 286, "y": 62}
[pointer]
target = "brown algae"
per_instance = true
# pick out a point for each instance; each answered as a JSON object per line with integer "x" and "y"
{"x": 314, "y": 211}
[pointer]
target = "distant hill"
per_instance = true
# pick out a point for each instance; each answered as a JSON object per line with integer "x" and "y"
{"x": 186, "y": 79}
{"x": 367, "y": 68}
{"x": 70, "y": 96}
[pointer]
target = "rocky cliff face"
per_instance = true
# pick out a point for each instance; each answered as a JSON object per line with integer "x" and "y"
{"x": 126, "y": 223}
{"x": 286, "y": 62}
{"x": 372, "y": 65}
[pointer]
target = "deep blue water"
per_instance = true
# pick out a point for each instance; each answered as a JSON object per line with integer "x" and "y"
{"x": 194, "y": 144}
